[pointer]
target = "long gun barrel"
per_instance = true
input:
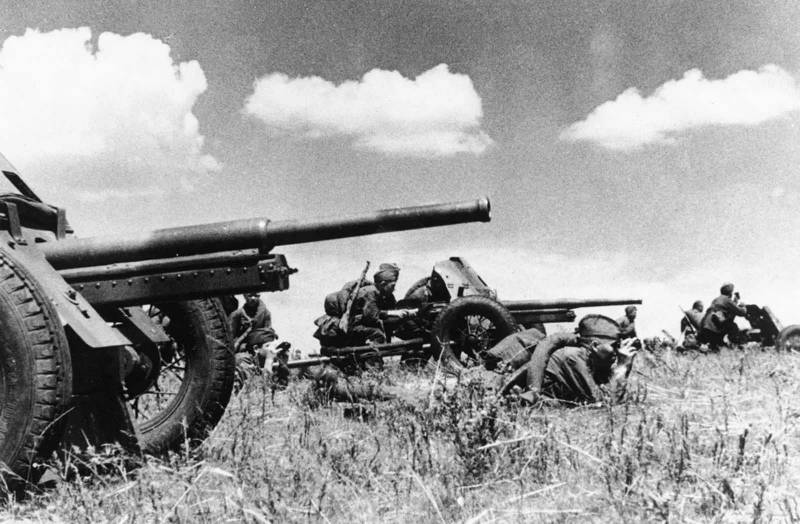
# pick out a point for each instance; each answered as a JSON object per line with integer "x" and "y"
{"x": 254, "y": 233}
{"x": 567, "y": 303}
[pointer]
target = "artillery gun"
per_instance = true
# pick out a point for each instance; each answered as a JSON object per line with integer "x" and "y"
{"x": 457, "y": 317}
{"x": 112, "y": 339}
{"x": 767, "y": 330}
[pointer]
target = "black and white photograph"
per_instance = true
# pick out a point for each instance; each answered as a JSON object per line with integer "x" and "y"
{"x": 399, "y": 261}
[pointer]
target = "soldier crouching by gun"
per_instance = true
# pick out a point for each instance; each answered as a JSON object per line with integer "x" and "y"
{"x": 362, "y": 312}
{"x": 719, "y": 320}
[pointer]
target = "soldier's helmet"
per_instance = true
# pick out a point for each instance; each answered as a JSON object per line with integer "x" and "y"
{"x": 598, "y": 327}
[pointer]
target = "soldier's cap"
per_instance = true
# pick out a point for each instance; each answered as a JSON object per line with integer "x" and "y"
{"x": 387, "y": 272}
{"x": 726, "y": 288}
{"x": 630, "y": 309}
{"x": 598, "y": 327}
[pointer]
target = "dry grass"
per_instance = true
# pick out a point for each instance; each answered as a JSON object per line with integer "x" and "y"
{"x": 704, "y": 438}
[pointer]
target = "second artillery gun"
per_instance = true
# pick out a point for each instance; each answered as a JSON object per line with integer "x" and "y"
{"x": 112, "y": 339}
{"x": 457, "y": 317}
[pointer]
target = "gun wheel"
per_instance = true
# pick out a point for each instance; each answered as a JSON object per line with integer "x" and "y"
{"x": 788, "y": 339}
{"x": 468, "y": 327}
{"x": 35, "y": 372}
{"x": 196, "y": 377}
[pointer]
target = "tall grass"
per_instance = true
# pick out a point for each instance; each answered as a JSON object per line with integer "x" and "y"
{"x": 705, "y": 438}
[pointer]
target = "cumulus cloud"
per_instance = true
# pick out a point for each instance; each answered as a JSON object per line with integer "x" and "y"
{"x": 436, "y": 114}
{"x": 115, "y": 116}
{"x": 745, "y": 98}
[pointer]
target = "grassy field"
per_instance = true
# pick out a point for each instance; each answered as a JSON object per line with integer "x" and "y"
{"x": 703, "y": 438}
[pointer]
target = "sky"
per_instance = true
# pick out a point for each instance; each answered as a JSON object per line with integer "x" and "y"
{"x": 629, "y": 149}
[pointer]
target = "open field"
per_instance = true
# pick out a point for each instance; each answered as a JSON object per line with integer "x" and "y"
{"x": 704, "y": 438}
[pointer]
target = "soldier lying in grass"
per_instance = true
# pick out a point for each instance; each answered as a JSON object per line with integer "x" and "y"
{"x": 587, "y": 367}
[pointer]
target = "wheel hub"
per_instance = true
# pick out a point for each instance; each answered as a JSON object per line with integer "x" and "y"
{"x": 142, "y": 367}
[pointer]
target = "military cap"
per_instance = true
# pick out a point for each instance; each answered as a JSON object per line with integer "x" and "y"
{"x": 387, "y": 272}
{"x": 598, "y": 327}
{"x": 630, "y": 309}
{"x": 726, "y": 289}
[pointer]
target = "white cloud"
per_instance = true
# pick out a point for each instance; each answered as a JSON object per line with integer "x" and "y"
{"x": 436, "y": 114}
{"x": 118, "y": 115}
{"x": 745, "y": 98}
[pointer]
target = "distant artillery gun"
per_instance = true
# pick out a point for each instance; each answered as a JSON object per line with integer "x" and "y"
{"x": 766, "y": 329}
{"x": 120, "y": 339}
{"x": 460, "y": 318}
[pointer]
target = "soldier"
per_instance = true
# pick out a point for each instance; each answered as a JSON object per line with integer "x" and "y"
{"x": 580, "y": 369}
{"x": 719, "y": 319}
{"x": 574, "y": 373}
{"x": 253, "y": 316}
{"x": 250, "y": 362}
{"x": 371, "y": 320}
{"x": 370, "y": 311}
{"x": 627, "y": 323}
{"x": 251, "y": 326}
{"x": 690, "y": 325}
{"x": 692, "y": 319}
{"x": 280, "y": 369}
{"x": 571, "y": 368}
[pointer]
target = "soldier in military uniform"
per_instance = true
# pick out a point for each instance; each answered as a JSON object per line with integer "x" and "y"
{"x": 690, "y": 326}
{"x": 250, "y": 362}
{"x": 719, "y": 320}
{"x": 251, "y": 326}
{"x": 372, "y": 314}
{"x": 371, "y": 320}
{"x": 627, "y": 323}
{"x": 573, "y": 367}
{"x": 575, "y": 373}
{"x": 252, "y": 317}
{"x": 693, "y": 318}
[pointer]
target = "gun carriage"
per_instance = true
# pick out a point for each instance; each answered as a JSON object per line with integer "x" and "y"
{"x": 112, "y": 339}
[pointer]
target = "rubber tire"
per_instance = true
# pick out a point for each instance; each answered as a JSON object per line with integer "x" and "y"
{"x": 208, "y": 379}
{"x": 455, "y": 312}
{"x": 35, "y": 370}
{"x": 784, "y": 335}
